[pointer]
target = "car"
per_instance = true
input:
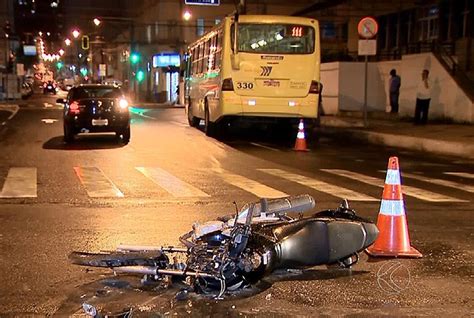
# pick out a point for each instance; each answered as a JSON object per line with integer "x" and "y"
{"x": 96, "y": 108}
{"x": 50, "y": 87}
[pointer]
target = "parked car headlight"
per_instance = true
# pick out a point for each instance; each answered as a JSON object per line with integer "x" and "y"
{"x": 123, "y": 103}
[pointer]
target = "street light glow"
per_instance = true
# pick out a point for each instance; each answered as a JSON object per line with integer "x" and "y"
{"x": 97, "y": 21}
{"x": 61, "y": 52}
{"x": 68, "y": 42}
{"x": 187, "y": 15}
{"x": 76, "y": 33}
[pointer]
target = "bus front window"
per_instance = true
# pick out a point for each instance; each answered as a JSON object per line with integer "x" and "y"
{"x": 275, "y": 38}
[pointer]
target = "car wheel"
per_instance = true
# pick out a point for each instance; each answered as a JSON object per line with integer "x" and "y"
{"x": 125, "y": 135}
{"x": 68, "y": 134}
{"x": 192, "y": 121}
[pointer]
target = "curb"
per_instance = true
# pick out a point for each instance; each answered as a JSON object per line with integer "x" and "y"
{"x": 156, "y": 106}
{"x": 449, "y": 148}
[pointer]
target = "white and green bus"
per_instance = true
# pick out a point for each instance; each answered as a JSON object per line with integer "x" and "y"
{"x": 255, "y": 68}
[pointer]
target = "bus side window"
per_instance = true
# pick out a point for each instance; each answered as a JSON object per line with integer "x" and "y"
{"x": 212, "y": 54}
{"x": 193, "y": 61}
{"x": 205, "y": 65}
{"x": 218, "y": 50}
{"x": 199, "y": 58}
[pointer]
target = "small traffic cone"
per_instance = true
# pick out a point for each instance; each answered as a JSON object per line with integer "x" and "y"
{"x": 300, "y": 143}
{"x": 393, "y": 239}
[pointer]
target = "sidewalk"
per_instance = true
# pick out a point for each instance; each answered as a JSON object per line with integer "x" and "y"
{"x": 444, "y": 139}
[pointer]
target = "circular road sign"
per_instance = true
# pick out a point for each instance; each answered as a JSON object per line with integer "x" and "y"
{"x": 367, "y": 27}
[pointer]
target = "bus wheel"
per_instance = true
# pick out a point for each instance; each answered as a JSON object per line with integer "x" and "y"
{"x": 192, "y": 121}
{"x": 209, "y": 127}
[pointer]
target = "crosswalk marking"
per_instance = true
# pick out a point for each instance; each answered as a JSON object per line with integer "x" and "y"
{"x": 408, "y": 190}
{"x": 461, "y": 174}
{"x": 20, "y": 183}
{"x": 170, "y": 183}
{"x": 446, "y": 183}
{"x": 252, "y": 186}
{"x": 96, "y": 183}
{"x": 321, "y": 186}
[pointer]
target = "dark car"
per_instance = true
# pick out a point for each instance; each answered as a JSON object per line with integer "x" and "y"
{"x": 96, "y": 108}
{"x": 50, "y": 87}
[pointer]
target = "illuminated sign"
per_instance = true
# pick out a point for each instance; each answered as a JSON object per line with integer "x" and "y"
{"x": 29, "y": 50}
{"x": 203, "y": 2}
{"x": 166, "y": 59}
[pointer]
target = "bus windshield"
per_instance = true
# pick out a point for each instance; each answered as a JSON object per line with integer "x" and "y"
{"x": 275, "y": 38}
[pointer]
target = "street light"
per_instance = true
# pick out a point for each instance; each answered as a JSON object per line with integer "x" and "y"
{"x": 76, "y": 33}
{"x": 68, "y": 42}
{"x": 96, "y": 21}
{"x": 187, "y": 15}
{"x": 61, "y": 52}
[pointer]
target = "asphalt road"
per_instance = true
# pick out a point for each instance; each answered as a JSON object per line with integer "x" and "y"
{"x": 171, "y": 175}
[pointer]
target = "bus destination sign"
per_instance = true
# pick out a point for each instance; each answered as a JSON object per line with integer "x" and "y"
{"x": 203, "y": 2}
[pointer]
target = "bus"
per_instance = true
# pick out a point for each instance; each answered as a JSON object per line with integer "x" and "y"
{"x": 256, "y": 68}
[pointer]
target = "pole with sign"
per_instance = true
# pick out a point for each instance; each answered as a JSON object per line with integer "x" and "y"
{"x": 367, "y": 29}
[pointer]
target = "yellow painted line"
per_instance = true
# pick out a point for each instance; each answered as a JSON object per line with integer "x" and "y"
{"x": 96, "y": 183}
{"x": 249, "y": 185}
{"x": 170, "y": 183}
{"x": 407, "y": 190}
{"x": 21, "y": 182}
{"x": 320, "y": 186}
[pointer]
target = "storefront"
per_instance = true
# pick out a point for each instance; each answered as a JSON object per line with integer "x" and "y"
{"x": 166, "y": 67}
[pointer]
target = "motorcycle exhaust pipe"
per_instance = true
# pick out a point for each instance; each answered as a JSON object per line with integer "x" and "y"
{"x": 298, "y": 203}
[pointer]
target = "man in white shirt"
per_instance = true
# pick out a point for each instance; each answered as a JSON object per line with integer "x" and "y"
{"x": 423, "y": 97}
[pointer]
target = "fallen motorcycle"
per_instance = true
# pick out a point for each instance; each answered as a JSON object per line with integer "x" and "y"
{"x": 236, "y": 251}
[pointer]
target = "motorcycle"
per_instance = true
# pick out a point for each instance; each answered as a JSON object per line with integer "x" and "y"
{"x": 238, "y": 250}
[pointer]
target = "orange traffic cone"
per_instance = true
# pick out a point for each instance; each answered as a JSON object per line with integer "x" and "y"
{"x": 393, "y": 239}
{"x": 300, "y": 144}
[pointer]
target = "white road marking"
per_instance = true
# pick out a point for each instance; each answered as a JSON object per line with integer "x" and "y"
{"x": 408, "y": 190}
{"x": 263, "y": 146}
{"x": 49, "y": 120}
{"x": 461, "y": 174}
{"x": 11, "y": 108}
{"x": 170, "y": 183}
{"x": 21, "y": 182}
{"x": 252, "y": 186}
{"x": 321, "y": 186}
{"x": 445, "y": 183}
{"x": 47, "y": 105}
{"x": 96, "y": 183}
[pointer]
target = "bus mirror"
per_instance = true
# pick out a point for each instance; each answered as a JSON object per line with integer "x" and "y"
{"x": 235, "y": 61}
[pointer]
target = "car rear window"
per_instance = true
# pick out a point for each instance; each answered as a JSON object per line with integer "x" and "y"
{"x": 96, "y": 92}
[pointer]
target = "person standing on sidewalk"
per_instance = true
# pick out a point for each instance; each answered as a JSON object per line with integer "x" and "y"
{"x": 394, "y": 87}
{"x": 423, "y": 97}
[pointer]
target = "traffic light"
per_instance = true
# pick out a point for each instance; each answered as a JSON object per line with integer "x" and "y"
{"x": 59, "y": 65}
{"x": 134, "y": 58}
{"x": 140, "y": 76}
{"x": 85, "y": 42}
{"x": 83, "y": 71}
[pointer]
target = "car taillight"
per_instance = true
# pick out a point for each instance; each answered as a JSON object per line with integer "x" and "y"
{"x": 315, "y": 87}
{"x": 227, "y": 85}
{"x": 74, "y": 108}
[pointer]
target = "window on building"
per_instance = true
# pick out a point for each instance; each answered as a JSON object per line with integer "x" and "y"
{"x": 200, "y": 27}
